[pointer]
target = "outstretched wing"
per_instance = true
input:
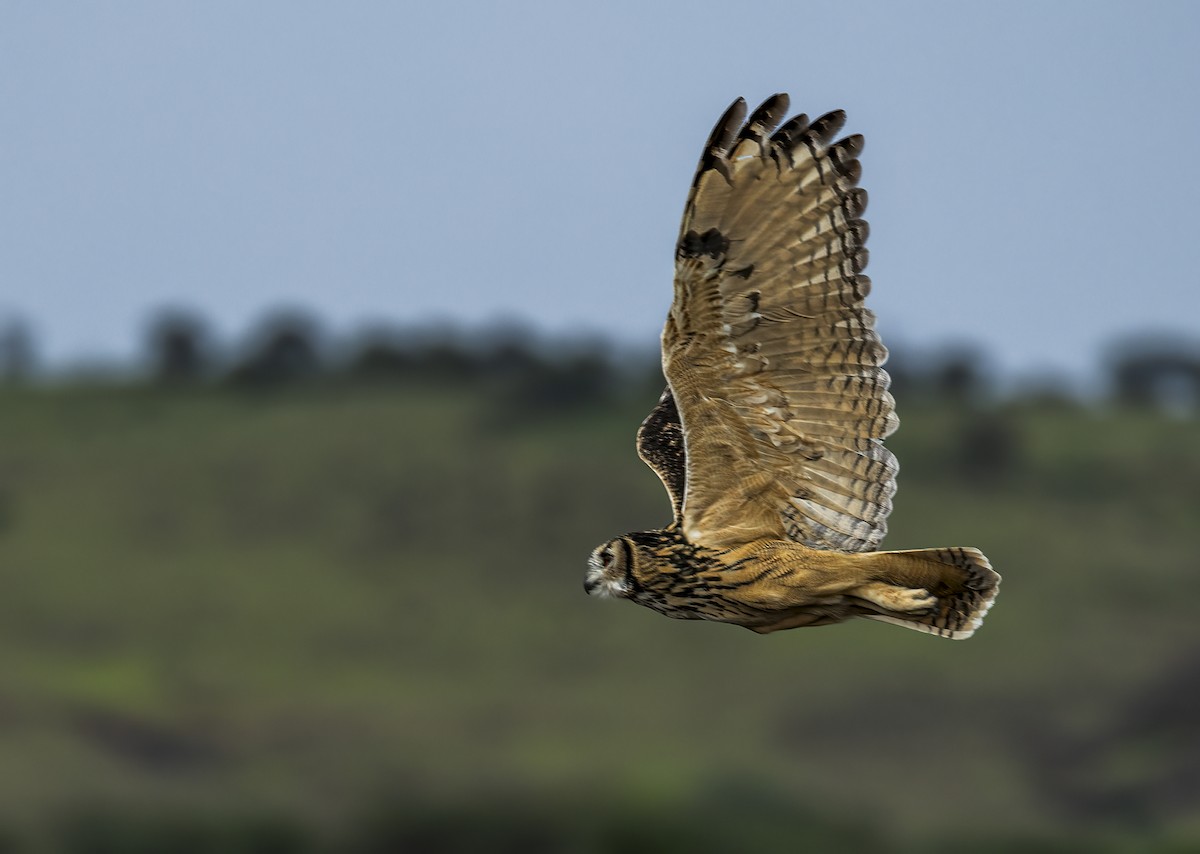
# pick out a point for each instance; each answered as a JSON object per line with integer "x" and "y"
{"x": 772, "y": 358}
{"x": 660, "y": 445}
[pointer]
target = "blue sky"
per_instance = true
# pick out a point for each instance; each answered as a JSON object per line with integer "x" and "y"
{"x": 1033, "y": 167}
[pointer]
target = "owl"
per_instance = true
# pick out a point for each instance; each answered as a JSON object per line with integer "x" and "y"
{"x": 769, "y": 435}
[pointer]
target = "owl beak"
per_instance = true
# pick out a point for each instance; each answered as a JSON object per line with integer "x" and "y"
{"x": 590, "y": 583}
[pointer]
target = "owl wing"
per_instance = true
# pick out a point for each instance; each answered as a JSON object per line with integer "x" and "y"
{"x": 660, "y": 445}
{"x": 771, "y": 357}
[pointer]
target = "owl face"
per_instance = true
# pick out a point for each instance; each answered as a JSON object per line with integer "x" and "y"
{"x": 610, "y": 570}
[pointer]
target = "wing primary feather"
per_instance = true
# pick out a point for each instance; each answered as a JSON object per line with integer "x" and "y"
{"x": 847, "y": 149}
{"x": 723, "y": 134}
{"x": 824, "y": 128}
{"x": 790, "y": 132}
{"x": 765, "y": 118}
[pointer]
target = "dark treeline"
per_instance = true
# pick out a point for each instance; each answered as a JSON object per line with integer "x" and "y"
{"x": 290, "y": 348}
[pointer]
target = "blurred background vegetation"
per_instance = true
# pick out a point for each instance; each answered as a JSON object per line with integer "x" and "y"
{"x": 302, "y": 594}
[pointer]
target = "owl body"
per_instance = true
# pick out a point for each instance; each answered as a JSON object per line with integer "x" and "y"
{"x": 769, "y": 435}
{"x": 768, "y": 585}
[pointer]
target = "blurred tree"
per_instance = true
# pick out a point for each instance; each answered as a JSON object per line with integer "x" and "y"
{"x": 524, "y": 373}
{"x": 550, "y": 377}
{"x": 988, "y": 447}
{"x": 446, "y": 360}
{"x": 443, "y": 354}
{"x": 580, "y": 381}
{"x": 380, "y": 353}
{"x": 180, "y": 347}
{"x": 509, "y": 350}
{"x": 435, "y": 353}
{"x": 380, "y": 360}
{"x": 16, "y": 352}
{"x": 285, "y": 351}
{"x": 957, "y": 376}
{"x": 1047, "y": 390}
{"x": 1159, "y": 371}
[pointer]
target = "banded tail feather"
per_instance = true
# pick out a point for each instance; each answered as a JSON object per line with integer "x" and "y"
{"x": 962, "y": 579}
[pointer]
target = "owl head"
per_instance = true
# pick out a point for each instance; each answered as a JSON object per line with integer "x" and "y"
{"x": 610, "y": 570}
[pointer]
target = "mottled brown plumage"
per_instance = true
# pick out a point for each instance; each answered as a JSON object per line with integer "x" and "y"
{"x": 769, "y": 436}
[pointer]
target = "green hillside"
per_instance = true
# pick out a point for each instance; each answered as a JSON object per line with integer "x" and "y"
{"x": 351, "y": 618}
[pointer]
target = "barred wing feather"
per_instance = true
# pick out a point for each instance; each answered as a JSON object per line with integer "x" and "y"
{"x": 772, "y": 358}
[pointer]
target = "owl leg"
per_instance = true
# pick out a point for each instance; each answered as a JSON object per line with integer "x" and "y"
{"x": 903, "y": 600}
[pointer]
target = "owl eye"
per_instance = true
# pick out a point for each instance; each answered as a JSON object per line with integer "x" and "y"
{"x": 606, "y": 558}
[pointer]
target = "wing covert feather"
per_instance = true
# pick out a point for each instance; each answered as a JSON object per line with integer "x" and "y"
{"x": 773, "y": 359}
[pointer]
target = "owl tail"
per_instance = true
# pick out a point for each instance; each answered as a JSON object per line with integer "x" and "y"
{"x": 961, "y": 578}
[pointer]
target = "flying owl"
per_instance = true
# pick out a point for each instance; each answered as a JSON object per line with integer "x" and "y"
{"x": 769, "y": 435}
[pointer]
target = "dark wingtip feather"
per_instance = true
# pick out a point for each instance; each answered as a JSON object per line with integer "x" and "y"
{"x": 825, "y": 128}
{"x": 851, "y": 171}
{"x": 724, "y": 132}
{"x": 855, "y": 203}
{"x": 787, "y": 135}
{"x": 767, "y": 116}
{"x": 848, "y": 148}
{"x": 844, "y": 155}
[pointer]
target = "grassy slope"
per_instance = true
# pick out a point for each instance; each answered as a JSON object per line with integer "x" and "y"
{"x": 307, "y": 602}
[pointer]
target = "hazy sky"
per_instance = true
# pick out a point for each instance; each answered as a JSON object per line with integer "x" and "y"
{"x": 1033, "y": 168}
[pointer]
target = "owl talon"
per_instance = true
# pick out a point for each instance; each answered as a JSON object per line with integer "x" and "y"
{"x": 919, "y": 601}
{"x": 905, "y": 600}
